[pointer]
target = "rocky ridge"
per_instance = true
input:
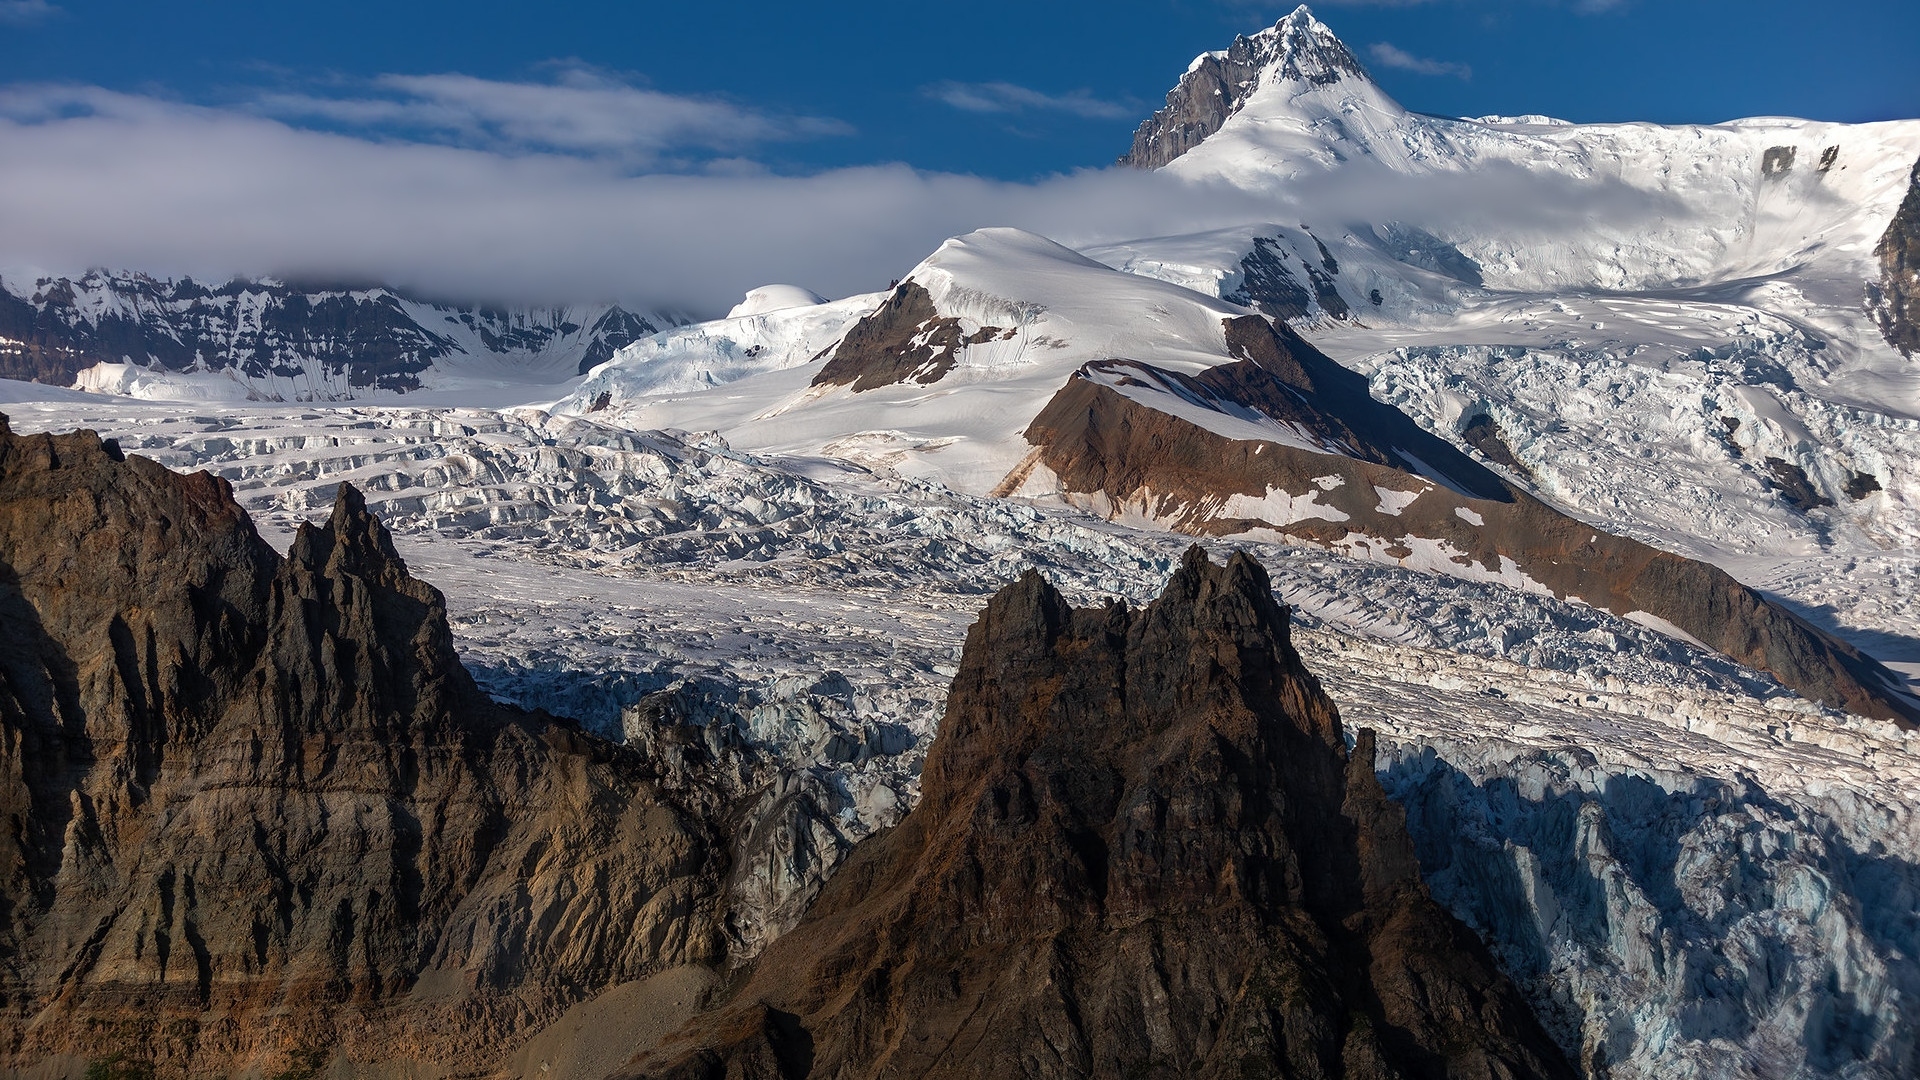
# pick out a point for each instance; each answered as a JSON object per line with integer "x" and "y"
{"x": 1268, "y": 286}
{"x": 1894, "y": 300}
{"x": 905, "y": 339}
{"x": 257, "y": 814}
{"x": 1143, "y": 848}
{"x": 1378, "y": 484}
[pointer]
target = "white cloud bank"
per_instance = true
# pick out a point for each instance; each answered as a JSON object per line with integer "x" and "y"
{"x": 583, "y": 111}
{"x": 91, "y": 177}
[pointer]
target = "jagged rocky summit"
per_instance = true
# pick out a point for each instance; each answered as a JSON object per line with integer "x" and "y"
{"x": 1298, "y": 47}
{"x": 255, "y": 814}
{"x": 257, "y": 818}
{"x": 1143, "y": 848}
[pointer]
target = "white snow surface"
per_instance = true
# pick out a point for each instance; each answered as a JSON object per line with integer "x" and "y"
{"x": 158, "y": 384}
{"x": 1660, "y": 357}
{"x": 689, "y": 359}
{"x": 774, "y": 298}
{"x": 1646, "y": 205}
{"x": 1055, "y": 310}
{"x": 1228, "y": 419}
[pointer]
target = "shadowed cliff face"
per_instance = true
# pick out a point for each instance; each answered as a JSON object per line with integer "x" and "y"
{"x": 1894, "y": 300}
{"x": 1387, "y": 488}
{"x": 253, "y": 809}
{"x": 1142, "y": 849}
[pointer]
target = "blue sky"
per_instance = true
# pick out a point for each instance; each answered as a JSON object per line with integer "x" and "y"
{"x": 881, "y": 79}
{"x": 681, "y": 153}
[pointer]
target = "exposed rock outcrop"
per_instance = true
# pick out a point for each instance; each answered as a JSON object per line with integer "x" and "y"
{"x": 254, "y": 813}
{"x": 1894, "y": 300}
{"x": 907, "y": 338}
{"x": 1143, "y": 849}
{"x": 1267, "y": 284}
{"x": 1383, "y": 486}
{"x": 1297, "y": 47}
{"x": 1483, "y": 433}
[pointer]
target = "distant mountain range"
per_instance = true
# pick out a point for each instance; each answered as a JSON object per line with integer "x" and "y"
{"x": 276, "y": 340}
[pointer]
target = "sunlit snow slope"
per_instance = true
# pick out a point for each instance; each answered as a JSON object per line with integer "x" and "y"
{"x": 1025, "y": 312}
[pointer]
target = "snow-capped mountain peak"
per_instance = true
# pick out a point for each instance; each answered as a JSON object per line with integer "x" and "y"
{"x": 1299, "y": 56}
{"x": 1302, "y": 48}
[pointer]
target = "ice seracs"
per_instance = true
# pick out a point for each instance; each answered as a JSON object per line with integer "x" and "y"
{"x": 1700, "y": 347}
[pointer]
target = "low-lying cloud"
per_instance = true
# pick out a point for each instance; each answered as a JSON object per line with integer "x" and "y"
{"x": 582, "y": 111}
{"x": 96, "y": 178}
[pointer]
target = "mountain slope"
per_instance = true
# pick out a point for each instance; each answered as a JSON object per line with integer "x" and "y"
{"x": 1644, "y": 205}
{"x": 1005, "y": 364}
{"x": 1142, "y": 848}
{"x": 1690, "y": 334}
{"x": 1132, "y": 442}
{"x": 1218, "y": 84}
{"x": 1894, "y": 300}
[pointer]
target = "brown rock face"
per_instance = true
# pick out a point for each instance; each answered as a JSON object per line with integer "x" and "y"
{"x": 1267, "y": 285}
{"x": 906, "y": 339}
{"x": 253, "y": 812}
{"x": 1101, "y": 443}
{"x": 1142, "y": 849}
{"x": 1895, "y": 299}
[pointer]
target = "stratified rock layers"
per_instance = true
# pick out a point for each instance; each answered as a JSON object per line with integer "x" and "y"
{"x": 253, "y": 811}
{"x": 1142, "y": 849}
